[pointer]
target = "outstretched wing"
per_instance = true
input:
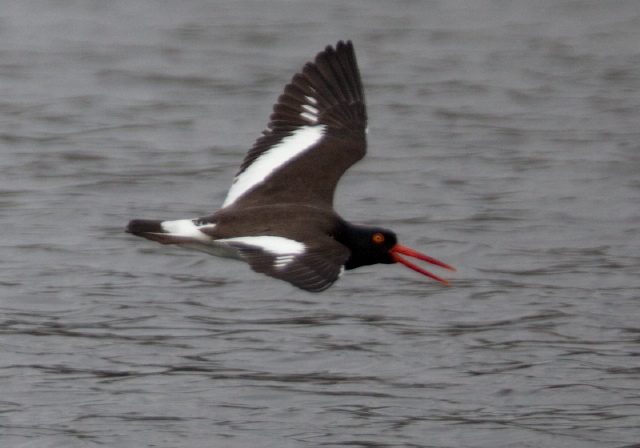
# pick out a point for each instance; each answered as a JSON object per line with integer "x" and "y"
{"x": 310, "y": 267}
{"x": 316, "y": 132}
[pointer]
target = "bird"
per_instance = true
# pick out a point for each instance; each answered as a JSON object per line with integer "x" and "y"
{"x": 278, "y": 215}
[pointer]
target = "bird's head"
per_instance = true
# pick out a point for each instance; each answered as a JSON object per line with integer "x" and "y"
{"x": 373, "y": 245}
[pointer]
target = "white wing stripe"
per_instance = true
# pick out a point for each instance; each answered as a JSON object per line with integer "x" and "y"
{"x": 277, "y": 245}
{"x": 313, "y": 119}
{"x": 283, "y": 260}
{"x": 288, "y": 148}
{"x": 284, "y": 249}
{"x": 310, "y": 109}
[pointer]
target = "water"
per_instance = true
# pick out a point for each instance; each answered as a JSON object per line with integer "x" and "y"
{"x": 503, "y": 140}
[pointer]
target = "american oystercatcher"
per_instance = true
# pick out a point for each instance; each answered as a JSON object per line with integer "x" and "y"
{"x": 278, "y": 214}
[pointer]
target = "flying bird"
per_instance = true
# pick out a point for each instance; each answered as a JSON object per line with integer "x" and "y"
{"x": 278, "y": 215}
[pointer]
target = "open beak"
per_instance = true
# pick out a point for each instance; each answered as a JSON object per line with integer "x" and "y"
{"x": 399, "y": 249}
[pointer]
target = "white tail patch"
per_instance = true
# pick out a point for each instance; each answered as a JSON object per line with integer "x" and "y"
{"x": 186, "y": 228}
{"x": 279, "y": 155}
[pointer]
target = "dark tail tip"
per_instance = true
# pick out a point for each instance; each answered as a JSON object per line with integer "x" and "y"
{"x": 140, "y": 226}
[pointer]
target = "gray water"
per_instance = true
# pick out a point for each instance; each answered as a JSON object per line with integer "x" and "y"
{"x": 504, "y": 140}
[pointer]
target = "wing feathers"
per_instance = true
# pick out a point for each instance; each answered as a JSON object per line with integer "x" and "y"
{"x": 312, "y": 271}
{"x": 327, "y": 92}
{"x": 313, "y": 268}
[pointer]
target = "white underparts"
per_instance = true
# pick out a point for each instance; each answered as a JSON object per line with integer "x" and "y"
{"x": 284, "y": 250}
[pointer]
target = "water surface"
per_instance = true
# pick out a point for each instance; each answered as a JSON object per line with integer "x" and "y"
{"x": 503, "y": 140}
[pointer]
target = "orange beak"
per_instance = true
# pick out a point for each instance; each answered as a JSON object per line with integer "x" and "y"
{"x": 399, "y": 249}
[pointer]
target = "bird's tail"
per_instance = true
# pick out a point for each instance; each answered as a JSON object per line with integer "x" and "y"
{"x": 164, "y": 232}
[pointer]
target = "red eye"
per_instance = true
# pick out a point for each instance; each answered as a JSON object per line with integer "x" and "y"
{"x": 378, "y": 238}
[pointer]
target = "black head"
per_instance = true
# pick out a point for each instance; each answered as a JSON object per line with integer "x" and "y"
{"x": 368, "y": 245}
{"x": 373, "y": 245}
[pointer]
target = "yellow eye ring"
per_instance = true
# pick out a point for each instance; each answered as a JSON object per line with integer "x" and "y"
{"x": 378, "y": 238}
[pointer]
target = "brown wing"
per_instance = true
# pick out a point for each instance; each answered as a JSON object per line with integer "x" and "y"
{"x": 316, "y": 132}
{"x": 314, "y": 269}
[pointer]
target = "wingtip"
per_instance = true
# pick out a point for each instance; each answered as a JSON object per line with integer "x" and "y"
{"x": 341, "y": 45}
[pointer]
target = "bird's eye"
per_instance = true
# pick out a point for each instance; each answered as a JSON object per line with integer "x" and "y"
{"x": 378, "y": 238}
